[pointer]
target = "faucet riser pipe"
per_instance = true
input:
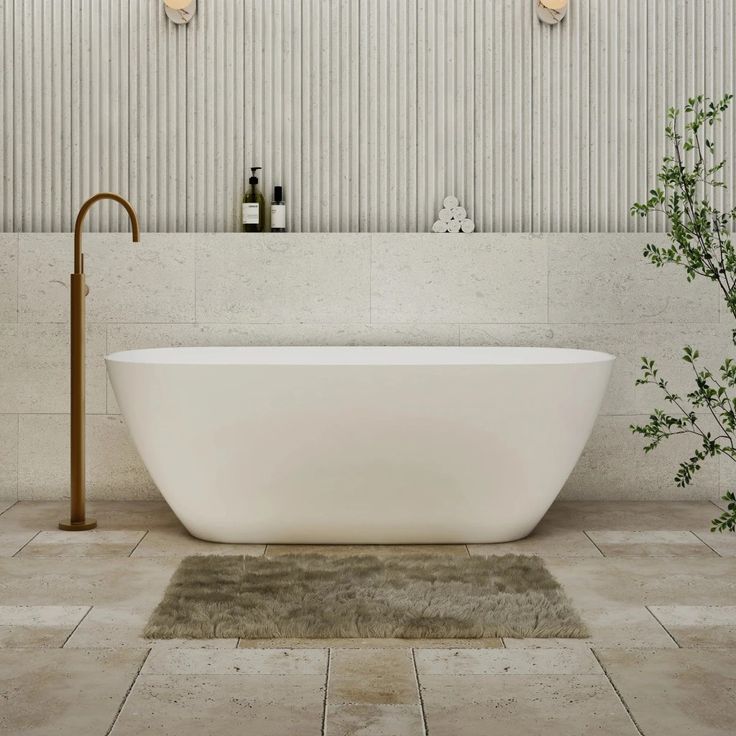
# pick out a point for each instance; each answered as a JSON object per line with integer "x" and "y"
{"x": 77, "y": 520}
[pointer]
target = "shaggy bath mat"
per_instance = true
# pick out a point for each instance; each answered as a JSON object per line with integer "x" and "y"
{"x": 315, "y": 596}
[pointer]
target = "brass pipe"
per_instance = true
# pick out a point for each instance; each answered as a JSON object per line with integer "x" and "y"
{"x": 77, "y": 516}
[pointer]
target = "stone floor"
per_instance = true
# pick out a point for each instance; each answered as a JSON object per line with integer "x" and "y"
{"x": 656, "y": 588}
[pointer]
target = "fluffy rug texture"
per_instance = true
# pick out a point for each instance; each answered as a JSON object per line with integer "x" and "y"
{"x": 318, "y": 596}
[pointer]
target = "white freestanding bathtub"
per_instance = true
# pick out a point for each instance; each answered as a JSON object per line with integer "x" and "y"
{"x": 359, "y": 444}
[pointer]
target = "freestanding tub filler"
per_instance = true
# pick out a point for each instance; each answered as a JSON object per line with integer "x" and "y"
{"x": 359, "y": 444}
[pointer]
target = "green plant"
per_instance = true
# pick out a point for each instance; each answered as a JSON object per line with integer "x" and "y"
{"x": 699, "y": 241}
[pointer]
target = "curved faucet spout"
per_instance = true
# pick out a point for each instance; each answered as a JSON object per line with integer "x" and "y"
{"x": 78, "y": 259}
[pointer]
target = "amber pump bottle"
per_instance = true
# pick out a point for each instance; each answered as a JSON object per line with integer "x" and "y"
{"x": 254, "y": 205}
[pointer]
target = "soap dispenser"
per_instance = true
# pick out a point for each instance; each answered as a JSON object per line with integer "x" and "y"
{"x": 254, "y": 205}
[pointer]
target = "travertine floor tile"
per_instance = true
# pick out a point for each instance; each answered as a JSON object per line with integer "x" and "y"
{"x": 176, "y": 541}
{"x": 106, "y": 626}
{"x": 506, "y": 662}
{"x": 125, "y": 515}
{"x": 193, "y": 705}
{"x": 85, "y": 582}
{"x": 544, "y": 540}
{"x": 237, "y": 662}
{"x": 676, "y": 692}
{"x": 370, "y": 643}
{"x": 367, "y": 549}
{"x": 625, "y": 581}
{"x": 38, "y": 626}
{"x": 649, "y": 543}
{"x": 373, "y": 720}
{"x": 94, "y": 543}
{"x": 523, "y": 705}
{"x": 372, "y": 676}
{"x": 60, "y": 692}
{"x": 724, "y": 543}
{"x": 630, "y": 515}
{"x": 12, "y": 540}
{"x": 699, "y": 626}
{"x": 628, "y": 626}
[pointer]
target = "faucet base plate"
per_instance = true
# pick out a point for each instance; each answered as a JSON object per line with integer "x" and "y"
{"x": 77, "y": 526}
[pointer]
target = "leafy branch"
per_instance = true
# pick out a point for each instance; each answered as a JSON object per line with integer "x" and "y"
{"x": 700, "y": 242}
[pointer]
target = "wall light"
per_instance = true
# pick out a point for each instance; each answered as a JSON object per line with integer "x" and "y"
{"x": 180, "y": 11}
{"x": 551, "y": 11}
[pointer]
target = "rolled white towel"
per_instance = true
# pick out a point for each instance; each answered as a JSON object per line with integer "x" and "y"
{"x": 467, "y": 226}
{"x": 445, "y": 215}
{"x": 453, "y": 226}
{"x": 451, "y": 202}
{"x": 459, "y": 213}
{"x": 440, "y": 226}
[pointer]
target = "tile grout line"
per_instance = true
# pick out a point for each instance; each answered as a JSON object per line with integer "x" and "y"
{"x": 593, "y": 543}
{"x": 697, "y": 536}
{"x": 127, "y": 693}
{"x": 654, "y": 616}
{"x": 137, "y": 544}
{"x": 12, "y": 505}
{"x": 79, "y": 623}
{"x": 422, "y": 712}
{"x": 18, "y": 551}
{"x": 618, "y": 694}
{"x": 327, "y": 685}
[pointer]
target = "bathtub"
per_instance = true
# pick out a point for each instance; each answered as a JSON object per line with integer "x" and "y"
{"x": 359, "y": 444}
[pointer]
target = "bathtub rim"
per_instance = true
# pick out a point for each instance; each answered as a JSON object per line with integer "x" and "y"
{"x": 360, "y": 356}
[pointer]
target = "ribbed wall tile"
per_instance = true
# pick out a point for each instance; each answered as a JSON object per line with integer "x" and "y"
{"x": 219, "y": 51}
{"x": 6, "y": 116}
{"x": 157, "y": 118}
{"x": 503, "y": 164}
{"x": 329, "y": 115}
{"x": 40, "y": 101}
{"x": 445, "y": 119}
{"x": 720, "y": 79}
{"x": 100, "y": 97}
{"x": 675, "y": 66}
{"x": 390, "y": 126}
{"x": 368, "y": 112}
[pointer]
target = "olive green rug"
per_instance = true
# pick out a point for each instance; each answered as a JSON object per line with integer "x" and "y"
{"x": 324, "y": 596}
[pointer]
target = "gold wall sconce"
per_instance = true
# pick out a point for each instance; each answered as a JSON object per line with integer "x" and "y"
{"x": 551, "y": 12}
{"x": 180, "y": 11}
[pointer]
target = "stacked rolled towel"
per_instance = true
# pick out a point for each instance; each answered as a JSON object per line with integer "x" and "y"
{"x": 453, "y": 218}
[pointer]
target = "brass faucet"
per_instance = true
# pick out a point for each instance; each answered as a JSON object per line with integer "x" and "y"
{"x": 79, "y": 290}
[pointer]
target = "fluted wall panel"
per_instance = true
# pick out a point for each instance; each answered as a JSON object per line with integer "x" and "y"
{"x": 40, "y": 101}
{"x": 157, "y": 118}
{"x": 368, "y": 112}
{"x": 720, "y": 79}
{"x": 217, "y": 117}
{"x": 6, "y": 117}
{"x": 502, "y": 162}
{"x": 390, "y": 121}
{"x": 100, "y": 103}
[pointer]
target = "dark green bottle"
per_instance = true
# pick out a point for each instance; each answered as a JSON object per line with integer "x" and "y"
{"x": 254, "y": 206}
